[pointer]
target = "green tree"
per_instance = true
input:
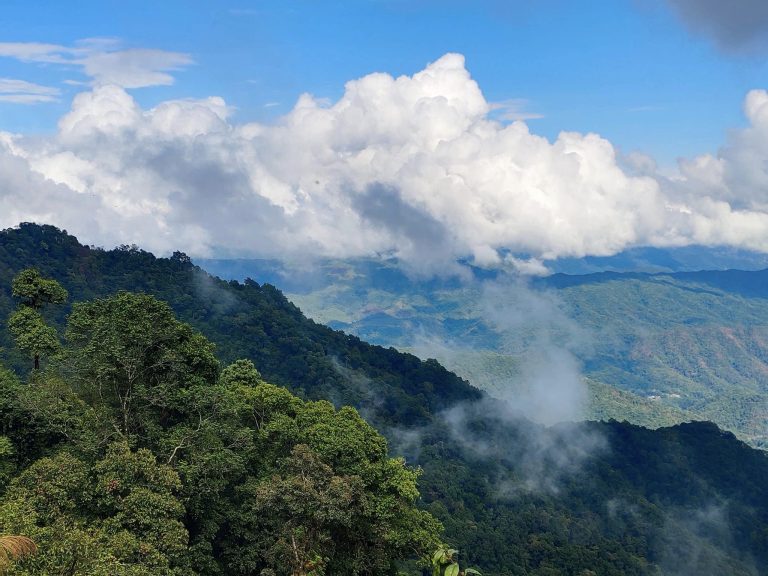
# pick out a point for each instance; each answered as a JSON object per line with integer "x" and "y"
{"x": 302, "y": 507}
{"x": 128, "y": 353}
{"x": 325, "y": 497}
{"x": 117, "y": 516}
{"x": 26, "y": 324}
{"x": 34, "y": 291}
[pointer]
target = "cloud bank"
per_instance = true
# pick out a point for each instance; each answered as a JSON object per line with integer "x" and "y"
{"x": 417, "y": 167}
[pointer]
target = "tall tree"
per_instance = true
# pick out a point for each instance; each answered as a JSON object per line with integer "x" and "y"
{"x": 27, "y": 325}
{"x": 35, "y": 292}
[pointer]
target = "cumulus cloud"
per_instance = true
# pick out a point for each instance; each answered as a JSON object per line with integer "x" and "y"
{"x": 104, "y": 61}
{"x": 416, "y": 167}
{"x": 735, "y": 26}
{"x": 723, "y": 197}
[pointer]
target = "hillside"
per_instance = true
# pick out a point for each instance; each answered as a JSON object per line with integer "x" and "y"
{"x": 515, "y": 497}
{"x": 243, "y": 320}
{"x": 695, "y": 340}
{"x": 694, "y": 344}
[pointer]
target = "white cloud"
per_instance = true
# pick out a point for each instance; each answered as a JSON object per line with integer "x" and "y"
{"x": 134, "y": 68}
{"x": 22, "y": 92}
{"x": 35, "y": 52}
{"x": 513, "y": 110}
{"x": 104, "y": 61}
{"x": 724, "y": 197}
{"x": 414, "y": 166}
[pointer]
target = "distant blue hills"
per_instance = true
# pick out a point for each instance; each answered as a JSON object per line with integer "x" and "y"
{"x": 686, "y": 328}
{"x": 683, "y": 259}
{"x": 315, "y": 275}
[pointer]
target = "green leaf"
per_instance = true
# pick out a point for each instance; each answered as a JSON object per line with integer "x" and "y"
{"x": 452, "y": 570}
{"x": 473, "y": 571}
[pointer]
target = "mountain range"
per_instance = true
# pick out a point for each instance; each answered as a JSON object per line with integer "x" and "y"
{"x": 661, "y": 348}
{"x": 515, "y": 496}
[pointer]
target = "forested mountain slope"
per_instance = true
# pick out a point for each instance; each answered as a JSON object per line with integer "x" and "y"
{"x": 693, "y": 340}
{"x": 135, "y": 454}
{"x": 516, "y": 498}
{"x": 692, "y": 344}
{"x": 243, "y": 320}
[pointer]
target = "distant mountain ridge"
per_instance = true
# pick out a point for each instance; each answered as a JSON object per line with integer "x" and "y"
{"x": 752, "y": 283}
{"x": 695, "y": 343}
{"x": 643, "y": 260}
{"x": 647, "y": 259}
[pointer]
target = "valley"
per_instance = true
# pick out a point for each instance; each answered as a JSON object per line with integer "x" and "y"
{"x": 674, "y": 346}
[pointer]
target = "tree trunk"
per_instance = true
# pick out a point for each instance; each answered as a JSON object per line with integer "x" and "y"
{"x": 37, "y": 361}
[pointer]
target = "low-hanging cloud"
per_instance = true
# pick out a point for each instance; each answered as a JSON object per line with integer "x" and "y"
{"x": 535, "y": 367}
{"x": 415, "y": 167}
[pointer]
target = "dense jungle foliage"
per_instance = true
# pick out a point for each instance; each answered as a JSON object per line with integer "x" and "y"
{"x": 195, "y": 471}
{"x": 133, "y": 453}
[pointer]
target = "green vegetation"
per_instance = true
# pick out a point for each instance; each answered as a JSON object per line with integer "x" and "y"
{"x": 609, "y": 403}
{"x": 676, "y": 345}
{"x": 156, "y": 463}
{"x": 445, "y": 563}
{"x": 160, "y": 463}
{"x": 27, "y": 325}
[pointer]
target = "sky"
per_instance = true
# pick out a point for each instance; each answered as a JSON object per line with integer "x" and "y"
{"x": 505, "y": 132}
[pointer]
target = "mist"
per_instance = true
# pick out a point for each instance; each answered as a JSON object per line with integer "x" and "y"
{"x": 536, "y": 365}
{"x": 536, "y": 391}
{"x": 700, "y": 542}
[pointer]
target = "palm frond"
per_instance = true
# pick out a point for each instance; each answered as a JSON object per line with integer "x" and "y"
{"x": 14, "y": 547}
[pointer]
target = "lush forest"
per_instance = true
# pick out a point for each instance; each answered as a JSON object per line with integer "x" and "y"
{"x": 199, "y": 466}
{"x": 134, "y": 453}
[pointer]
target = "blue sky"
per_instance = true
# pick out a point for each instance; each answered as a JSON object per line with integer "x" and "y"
{"x": 630, "y": 70}
{"x": 434, "y": 131}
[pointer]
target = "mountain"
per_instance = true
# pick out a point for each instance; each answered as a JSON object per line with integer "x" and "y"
{"x": 515, "y": 497}
{"x": 243, "y": 320}
{"x": 691, "y": 340}
{"x": 647, "y": 259}
{"x": 684, "y": 345}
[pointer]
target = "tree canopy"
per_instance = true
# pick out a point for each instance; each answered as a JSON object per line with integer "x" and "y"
{"x": 155, "y": 461}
